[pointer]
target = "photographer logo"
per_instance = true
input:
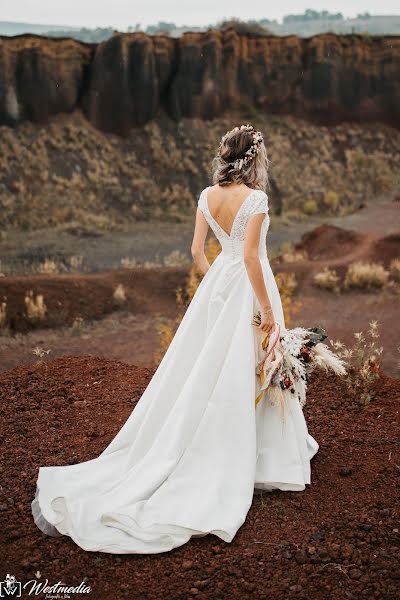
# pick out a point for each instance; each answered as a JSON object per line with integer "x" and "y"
{"x": 10, "y": 587}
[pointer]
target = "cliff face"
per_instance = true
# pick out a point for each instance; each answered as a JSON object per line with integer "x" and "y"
{"x": 125, "y": 81}
{"x": 40, "y": 77}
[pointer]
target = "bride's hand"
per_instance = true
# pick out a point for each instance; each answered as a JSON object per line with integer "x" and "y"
{"x": 267, "y": 321}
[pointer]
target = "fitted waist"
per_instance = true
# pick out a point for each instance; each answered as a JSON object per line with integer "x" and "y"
{"x": 233, "y": 251}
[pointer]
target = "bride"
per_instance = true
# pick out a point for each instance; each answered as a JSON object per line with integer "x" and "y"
{"x": 197, "y": 446}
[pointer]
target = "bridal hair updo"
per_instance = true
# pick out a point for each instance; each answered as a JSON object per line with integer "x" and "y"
{"x": 242, "y": 158}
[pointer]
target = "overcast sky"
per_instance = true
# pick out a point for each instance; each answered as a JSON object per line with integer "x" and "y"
{"x": 122, "y": 13}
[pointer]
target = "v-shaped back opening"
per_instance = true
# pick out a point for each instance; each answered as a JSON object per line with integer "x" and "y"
{"x": 235, "y": 217}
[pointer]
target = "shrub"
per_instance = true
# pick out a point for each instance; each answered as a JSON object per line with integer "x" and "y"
{"x": 364, "y": 358}
{"x": 395, "y": 269}
{"x": 75, "y": 262}
{"x": 49, "y": 267}
{"x": 36, "y": 309}
{"x": 119, "y": 295}
{"x": 285, "y": 247}
{"x": 176, "y": 258}
{"x": 129, "y": 263}
{"x": 292, "y": 257}
{"x": 331, "y": 201}
{"x": 366, "y": 276}
{"x": 288, "y": 254}
{"x": 287, "y": 285}
{"x": 3, "y": 314}
{"x": 41, "y": 354}
{"x": 310, "y": 207}
{"x": 327, "y": 279}
{"x": 78, "y": 326}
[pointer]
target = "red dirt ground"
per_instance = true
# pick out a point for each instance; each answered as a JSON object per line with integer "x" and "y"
{"x": 90, "y": 296}
{"x": 336, "y": 540}
{"x": 328, "y": 241}
{"x": 350, "y": 311}
{"x": 130, "y": 335}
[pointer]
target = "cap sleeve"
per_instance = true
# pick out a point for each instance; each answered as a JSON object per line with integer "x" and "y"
{"x": 201, "y": 200}
{"x": 260, "y": 204}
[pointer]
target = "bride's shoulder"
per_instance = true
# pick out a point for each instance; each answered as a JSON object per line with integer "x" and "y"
{"x": 202, "y": 197}
{"x": 259, "y": 202}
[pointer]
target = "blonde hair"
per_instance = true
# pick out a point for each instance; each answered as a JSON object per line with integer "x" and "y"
{"x": 233, "y": 146}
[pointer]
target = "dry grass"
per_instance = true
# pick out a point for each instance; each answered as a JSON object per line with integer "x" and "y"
{"x": 129, "y": 263}
{"x": 287, "y": 253}
{"x": 331, "y": 201}
{"x": 364, "y": 359}
{"x": 3, "y": 314}
{"x": 293, "y": 257}
{"x": 166, "y": 328}
{"x": 176, "y": 258}
{"x": 366, "y": 276}
{"x": 35, "y": 308}
{"x": 394, "y": 270}
{"x": 78, "y": 326}
{"x": 50, "y": 267}
{"x": 159, "y": 169}
{"x": 310, "y": 207}
{"x": 119, "y": 295}
{"x": 327, "y": 279}
{"x": 41, "y": 353}
{"x": 75, "y": 263}
{"x": 287, "y": 285}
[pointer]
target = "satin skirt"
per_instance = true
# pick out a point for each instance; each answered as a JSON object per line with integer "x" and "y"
{"x": 196, "y": 447}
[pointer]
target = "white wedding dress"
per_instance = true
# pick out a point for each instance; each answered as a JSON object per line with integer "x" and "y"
{"x": 189, "y": 457}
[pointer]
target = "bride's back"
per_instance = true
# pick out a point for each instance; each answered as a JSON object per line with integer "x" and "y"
{"x": 224, "y": 203}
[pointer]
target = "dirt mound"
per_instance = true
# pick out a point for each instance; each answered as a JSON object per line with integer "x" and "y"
{"x": 90, "y": 296}
{"x": 335, "y": 540}
{"x": 386, "y": 249}
{"x": 328, "y": 241}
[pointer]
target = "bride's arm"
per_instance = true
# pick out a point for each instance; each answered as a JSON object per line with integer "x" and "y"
{"x": 199, "y": 239}
{"x": 255, "y": 272}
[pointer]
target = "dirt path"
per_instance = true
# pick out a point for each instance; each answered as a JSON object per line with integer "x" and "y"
{"x": 131, "y": 335}
{"x": 23, "y": 251}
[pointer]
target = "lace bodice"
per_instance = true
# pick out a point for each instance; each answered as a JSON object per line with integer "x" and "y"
{"x": 233, "y": 244}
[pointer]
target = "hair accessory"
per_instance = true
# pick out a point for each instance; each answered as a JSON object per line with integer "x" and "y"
{"x": 251, "y": 152}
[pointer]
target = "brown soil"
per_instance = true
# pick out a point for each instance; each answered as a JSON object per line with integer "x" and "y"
{"x": 90, "y": 296}
{"x": 327, "y": 241}
{"x": 386, "y": 249}
{"x": 122, "y": 336}
{"x": 350, "y": 311}
{"x": 131, "y": 334}
{"x": 338, "y": 539}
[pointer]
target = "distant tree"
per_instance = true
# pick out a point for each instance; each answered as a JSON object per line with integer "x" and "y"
{"x": 264, "y": 22}
{"x": 313, "y": 15}
{"x": 161, "y": 27}
{"x": 365, "y": 15}
{"x": 133, "y": 28}
{"x": 83, "y": 34}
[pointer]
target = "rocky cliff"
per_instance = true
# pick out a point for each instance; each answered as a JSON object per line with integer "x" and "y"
{"x": 129, "y": 79}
